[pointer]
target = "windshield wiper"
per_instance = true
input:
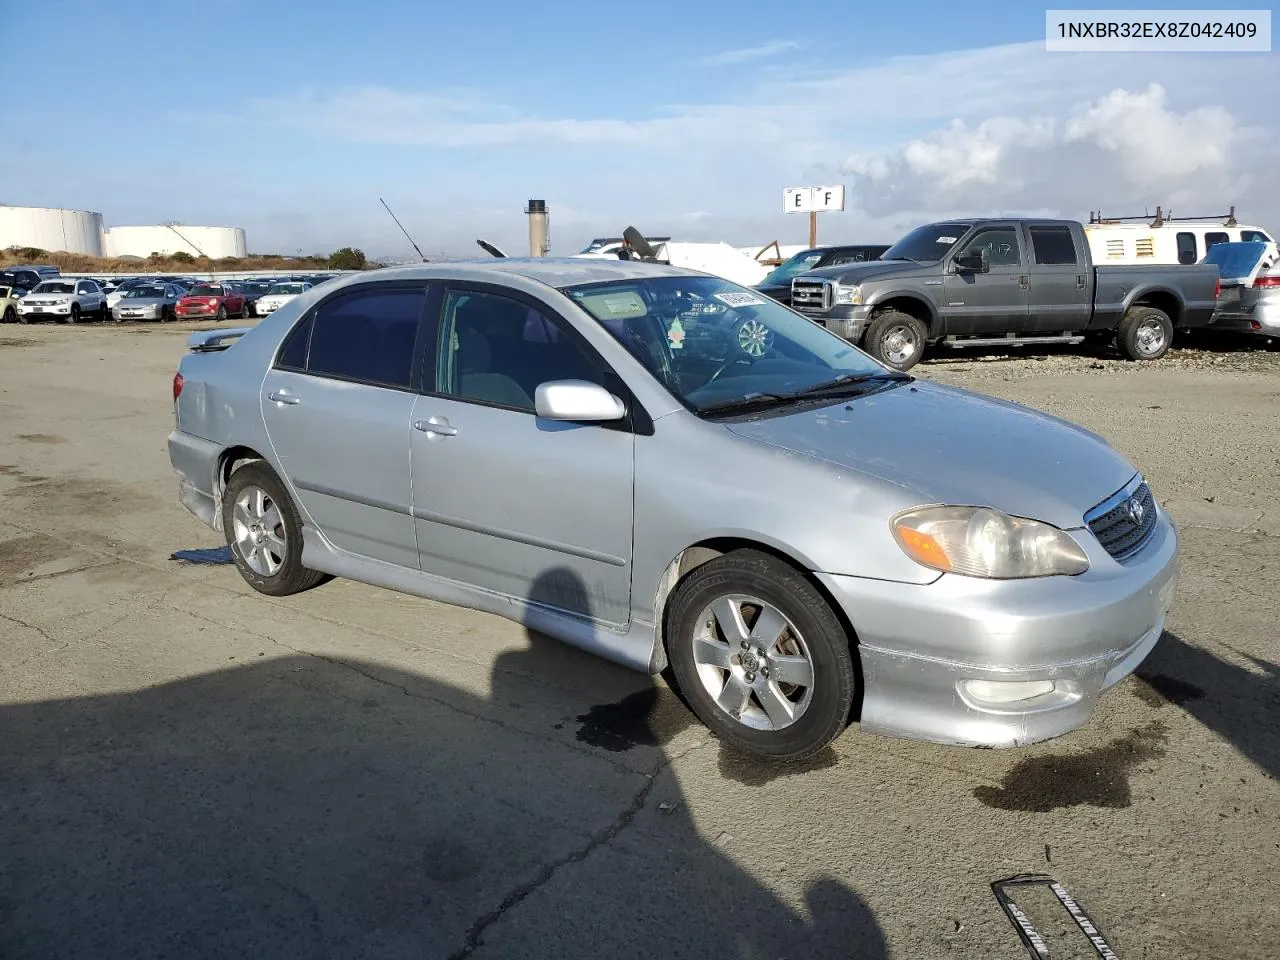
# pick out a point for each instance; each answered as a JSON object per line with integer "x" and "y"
{"x": 750, "y": 400}
{"x": 850, "y": 379}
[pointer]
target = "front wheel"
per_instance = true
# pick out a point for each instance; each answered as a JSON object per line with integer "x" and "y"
{"x": 10, "y": 315}
{"x": 264, "y": 532}
{"x": 74, "y": 316}
{"x": 896, "y": 339}
{"x": 760, "y": 656}
{"x": 1145, "y": 333}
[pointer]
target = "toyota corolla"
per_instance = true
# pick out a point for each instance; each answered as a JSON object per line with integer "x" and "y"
{"x": 803, "y": 535}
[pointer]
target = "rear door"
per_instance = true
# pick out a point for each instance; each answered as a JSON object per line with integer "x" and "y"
{"x": 337, "y": 405}
{"x": 1061, "y": 299}
{"x": 995, "y": 301}
{"x": 534, "y": 509}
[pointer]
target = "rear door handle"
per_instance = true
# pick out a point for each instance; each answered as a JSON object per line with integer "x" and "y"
{"x": 437, "y": 425}
{"x": 280, "y": 397}
{"x": 1023, "y": 282}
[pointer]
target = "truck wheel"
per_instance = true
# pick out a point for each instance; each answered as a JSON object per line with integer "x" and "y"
{"x": 896, "y": 339}
{"x": 1145, "y": 333}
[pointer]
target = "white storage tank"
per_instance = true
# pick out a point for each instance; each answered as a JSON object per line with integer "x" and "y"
{"x": 215, "y": 242}
{"x": 52, "y": 229}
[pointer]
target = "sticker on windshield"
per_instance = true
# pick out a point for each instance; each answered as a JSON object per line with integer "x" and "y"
{"x": 738, "y": 299}
{"x": 946, "y": 240}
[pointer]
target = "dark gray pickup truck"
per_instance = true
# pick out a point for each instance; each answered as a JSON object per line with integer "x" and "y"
{"x": 1003, "y": 282}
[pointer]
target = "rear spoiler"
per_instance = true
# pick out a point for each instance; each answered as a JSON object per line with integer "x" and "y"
{"x": 211, "y": 341}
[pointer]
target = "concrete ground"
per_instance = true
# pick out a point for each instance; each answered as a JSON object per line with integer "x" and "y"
{"x": 190, "y": 769}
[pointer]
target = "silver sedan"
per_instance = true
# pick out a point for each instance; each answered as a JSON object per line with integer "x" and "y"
{"x": 669, "y": 469}
{"x": 148, "y": 302}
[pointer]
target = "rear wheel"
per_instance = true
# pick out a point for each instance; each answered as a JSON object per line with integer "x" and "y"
{"x": 264, "y": 533}
{"x": 1145, "y": 333}
{"x": 896, "y": 339}
{"x": 760, "y": 656}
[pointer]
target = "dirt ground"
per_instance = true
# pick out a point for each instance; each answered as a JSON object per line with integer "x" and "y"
{"x": 190, "y": 769}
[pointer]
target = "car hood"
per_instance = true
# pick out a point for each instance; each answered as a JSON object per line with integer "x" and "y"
{"x": 126, "y": 302}
{"x": 872, "y": 270}
{"x": 947, "y": 445}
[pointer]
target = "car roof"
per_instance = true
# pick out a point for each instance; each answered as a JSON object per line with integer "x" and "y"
{"x": 553, "y": 271}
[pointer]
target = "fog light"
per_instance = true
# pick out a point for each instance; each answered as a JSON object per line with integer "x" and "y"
{"x": 1006, "y": 691}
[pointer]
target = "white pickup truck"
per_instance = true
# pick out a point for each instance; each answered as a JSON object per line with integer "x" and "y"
{"x": 65, "y": 299}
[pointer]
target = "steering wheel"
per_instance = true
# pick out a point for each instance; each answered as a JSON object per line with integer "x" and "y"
{"x": 726, "y": 365}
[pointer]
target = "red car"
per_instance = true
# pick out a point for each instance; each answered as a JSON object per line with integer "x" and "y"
{"x": 212, "y": 300}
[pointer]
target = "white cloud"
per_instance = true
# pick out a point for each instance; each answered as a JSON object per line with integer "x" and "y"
{"x": 743, "y": 54}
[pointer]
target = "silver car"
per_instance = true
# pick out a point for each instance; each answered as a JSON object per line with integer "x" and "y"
{"x": 671, "y": 470}
{"x": 148, "y": 301}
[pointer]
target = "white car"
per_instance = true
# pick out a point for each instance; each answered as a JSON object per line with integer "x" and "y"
{"x": 278, "y": 296}
{"x": 65, "y": 300}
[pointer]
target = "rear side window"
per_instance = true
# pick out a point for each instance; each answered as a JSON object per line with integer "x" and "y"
{"x": 1211, "y": 238}
{"x": 1053, "y": 245}
{"x": 368, "y": 336}
{"x": 293, "y": 355}
{"x": 1187, "y": 248}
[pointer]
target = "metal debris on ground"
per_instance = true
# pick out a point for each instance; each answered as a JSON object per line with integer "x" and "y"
{"x": 1031, "y": 938}
{"x": 203, "y": 555}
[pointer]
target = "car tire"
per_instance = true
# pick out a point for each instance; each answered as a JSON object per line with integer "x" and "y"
{"x": 776, "y": 720}
{"x": 896, "y": 339}
{"x": 1145, "y": 333}
{"x": 10, "y": 315}
{"x": 222, "y": 314}
{"x": 74, "y": 315}
{"x": 269, "y": 558}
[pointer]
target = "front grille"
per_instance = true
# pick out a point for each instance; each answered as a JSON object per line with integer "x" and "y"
{"x": 811, "y": 296}
{"x": 1115, "y": 527}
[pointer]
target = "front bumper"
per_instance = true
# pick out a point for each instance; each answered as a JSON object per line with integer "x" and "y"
{"x": 43, "y": 310}
{"x": 923, "y": 647}
{"x": 195, "y": 313}
{"x": 848, "y": 322}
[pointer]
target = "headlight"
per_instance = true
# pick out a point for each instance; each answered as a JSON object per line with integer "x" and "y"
{"x": 62, "y": 300}
{"x": 848, "y": 295}
{"x": 981, "y": 542}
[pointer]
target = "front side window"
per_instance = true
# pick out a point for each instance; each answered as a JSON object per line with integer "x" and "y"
{"x": 367, "y": 336}
{"x": 1254, "y": 236}
{"x": 714, "y": 344}
{"x": 1001, "y": 244}
{"x": 497, "y": 350}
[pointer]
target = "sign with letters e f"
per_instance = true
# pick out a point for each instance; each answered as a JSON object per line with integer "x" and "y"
{"x": 812, "y": 199}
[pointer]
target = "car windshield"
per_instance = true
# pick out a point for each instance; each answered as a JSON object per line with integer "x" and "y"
{"x": 285, "y": 288}
{"x": 927, "y": 244}
{"x": 54, "y": 286}
{"x": 256, "y": 288}
{"x": 805, "y": 260}
{"x": 138, "y": 293}
{"x": 714, "y": 344}
{"x": 1235, "y": 260}
{"x": 206, "y": 291}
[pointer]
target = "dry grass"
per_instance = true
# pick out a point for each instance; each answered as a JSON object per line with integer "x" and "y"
{"x": 78, "y": 263}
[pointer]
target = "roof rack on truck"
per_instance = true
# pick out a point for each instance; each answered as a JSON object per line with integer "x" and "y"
{"x": 1161, "y": 218}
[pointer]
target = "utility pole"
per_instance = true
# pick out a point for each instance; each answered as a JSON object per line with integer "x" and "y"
{"x": 813, "y": 228}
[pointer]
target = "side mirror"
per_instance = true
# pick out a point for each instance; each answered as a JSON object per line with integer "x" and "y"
{"x": 975, "y": 262}
{"x": 576, "y": 400}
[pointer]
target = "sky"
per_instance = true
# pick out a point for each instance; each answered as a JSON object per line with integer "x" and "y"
{"x": 291, "y": 119}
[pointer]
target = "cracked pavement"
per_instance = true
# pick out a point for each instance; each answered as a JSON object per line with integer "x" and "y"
{"x": 189, "y": 769}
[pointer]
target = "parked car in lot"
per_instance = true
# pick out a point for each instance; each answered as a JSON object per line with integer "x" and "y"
{"x": 8, "y": 305}
{"x": 212, "y": 301}
{"x": 67, "y": 301}
{"x": 253, "y": 290}
{"x": 278, "y": 295}
{"x": 794, "y": 531}
{"x": 1249, "y": 294}
{"x": 21, "y": 280}
{"x": 1005, "y": 282}
{"x": 117, "y": 294}
{"x": 149, "y": 301}
{"x": 777, "y": 284}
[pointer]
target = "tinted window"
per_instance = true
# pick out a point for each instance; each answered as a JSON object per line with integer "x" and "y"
{"x": 498, "y": 350}
{"x": 1254, "y": 236}
{"x": 367, "y": 335}
{"x": 1053, "y": 245}
{"x": 1211, "y": 238}
{"x": 1187, "y": 248}
{"x": 293, "y": 355}
{"x": 1001, "y": 244}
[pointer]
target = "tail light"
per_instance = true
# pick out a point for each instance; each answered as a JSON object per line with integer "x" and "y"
{"x": 1267, "y": 281}
{"x": 177, "y": 386}
{"x": 1217, "y": 288}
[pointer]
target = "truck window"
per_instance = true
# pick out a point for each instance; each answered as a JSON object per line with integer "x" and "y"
{"x": 1001, "y": 244}
{"x": 1053, "y": 245}
{"x": 1254, "y": 236}
{"x": 1211, "y": 238}
{"x": 1187, "y": 248}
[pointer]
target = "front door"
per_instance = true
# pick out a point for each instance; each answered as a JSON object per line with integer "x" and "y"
{"x": 994, "y": 302}
{"x": 504, "y": 500}
{"x": 338, "y": 406}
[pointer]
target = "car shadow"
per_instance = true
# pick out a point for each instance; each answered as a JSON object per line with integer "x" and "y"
{"x": 1241, "y": 704}
{"x": 309, "y": 806}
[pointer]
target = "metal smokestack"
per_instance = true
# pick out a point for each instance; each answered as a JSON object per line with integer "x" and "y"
{"x": 539, "y": 238}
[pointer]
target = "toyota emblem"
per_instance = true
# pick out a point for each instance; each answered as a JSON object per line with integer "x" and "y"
{"x": 1136, "y": 511}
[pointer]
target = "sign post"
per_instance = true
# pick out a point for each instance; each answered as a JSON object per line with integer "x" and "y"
{"x": 812, "y": 200}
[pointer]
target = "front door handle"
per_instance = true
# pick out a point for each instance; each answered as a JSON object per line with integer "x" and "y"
{"x": 437, "y": 425}
{"x": 283, "y": 397}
